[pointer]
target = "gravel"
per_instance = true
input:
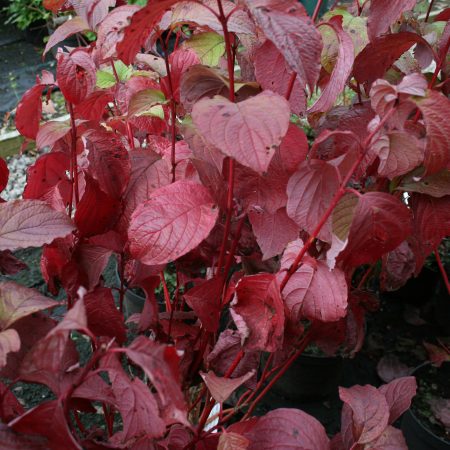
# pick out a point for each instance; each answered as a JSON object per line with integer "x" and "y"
{"x": 17, "y": 175}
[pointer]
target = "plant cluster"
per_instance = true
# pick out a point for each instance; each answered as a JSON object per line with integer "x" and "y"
{"x": 194, "y": 157}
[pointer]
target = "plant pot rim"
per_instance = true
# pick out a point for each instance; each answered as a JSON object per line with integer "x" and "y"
{"x": 415, "y": 418}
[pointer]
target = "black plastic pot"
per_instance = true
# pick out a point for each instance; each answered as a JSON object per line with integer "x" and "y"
{"x": 310, "y": 378}
{"x": 417, "y": 435}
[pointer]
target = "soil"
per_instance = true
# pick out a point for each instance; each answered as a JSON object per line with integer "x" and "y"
{"x": 433, "y": 382}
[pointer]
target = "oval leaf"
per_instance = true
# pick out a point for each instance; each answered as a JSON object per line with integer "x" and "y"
{"x": 174, "y": 220}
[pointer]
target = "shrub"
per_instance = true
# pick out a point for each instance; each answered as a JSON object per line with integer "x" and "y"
{"x": 194, "y": 157}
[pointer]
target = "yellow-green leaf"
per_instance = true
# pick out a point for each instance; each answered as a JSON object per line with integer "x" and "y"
{"x": 208, "y": 46}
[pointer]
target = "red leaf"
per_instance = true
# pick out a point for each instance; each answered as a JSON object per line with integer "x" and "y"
{"x": 180, "y": 61}
{"x": 50, "y": 132}
{"x": 399, "y": 153}
{"x": 9, "y": 342}
{"x": 108, "y": 162}
{"x": 104, "y": 319}
{"x": 9, "y": 440}
{"x": 4, "y": 174}
{"x": 53, "y": 5}
{"x": 399, "y": 394}
{"x": 94, "y": 105}
{"x": 148, "y": 173}
{"x": 174, "y": 220}
{"x": 97, "y": 211}
{"x": 48, "y": 170}
{"x": 29, "y": 112}
{"x": 111, "y": 29}
{"x": 391, "y": 439}
{"x": 431, "y": 224}
{"x": 272, "y": 73}
{"x": 232, "y": 441}
{"x": 383, "y": 13}
{"x": 161, "y": 364}
{"x": 398, "y": 266}
{"x": 380, "y": 223}
{"x": 137, "y": 406}
{"x": 221, "y": 388}
{"x": 381, "y": 53}
{"x": 437, "y": 354}
{"x": 441, "y": 410}
{"x": 9, "y": 264}
{"x": 75, "y": 25}
{"x": 310, "y": 191}
{"x": 249, "y": 131}
{"x": 10, "y": 408}
{"x": 389, "y": 368}
{"x": 436, "y": 109}
{"x": 141, "y": 24}
{"x": 341, "y": 70}
{"x": 258, "y": 311}
{"x": 19, "y": 301}
{"x": 296, "y": 38}
{"x": 368, "y": 412}
{"x": 75, "y": 74}
{"x": 272, "y": 231}
{"x": 326, "y": 297}
{"x": 205, "y": 300}
{"x": 30, "y": 329}
{"x": 287, "y": 428}
{"x": 47, "y": 420}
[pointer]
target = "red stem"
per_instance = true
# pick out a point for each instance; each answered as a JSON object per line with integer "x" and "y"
{"x": 282, "y": 371}
{"x": 442, "y": 269}
{"x": 230, "y": 64}
{"x": 337, "y": 196}
{"x": 429, "y": 11}
{"x": 73, "y": 154}
{"x": 316, "y": 10}
{"x": 173, "y": 112}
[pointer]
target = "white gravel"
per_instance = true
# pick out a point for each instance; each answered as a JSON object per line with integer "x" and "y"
{"x": 17, "y": 175}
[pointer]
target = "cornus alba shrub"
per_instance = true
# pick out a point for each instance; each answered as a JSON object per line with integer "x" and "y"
{"x": 184, "y": 147}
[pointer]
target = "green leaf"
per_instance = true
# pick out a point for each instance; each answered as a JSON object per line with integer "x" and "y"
{"x": 147, "y": 103}
{"x": 208, "y": 46}
{"x": 105, "y": 79}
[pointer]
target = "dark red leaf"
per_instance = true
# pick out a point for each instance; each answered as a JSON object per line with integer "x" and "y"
{"x": 9, "y": 264}
{"x": 435, "y": 109}
{"x": 398, "y": 267}
{"x": 161, "y": 364}
{"x": 75, "y": 75}
{"x": 108, "y": 162}
{"x": 205, "y": 299}
{"x": 47, "y": 420}
{"x": 399, "y": 394}
{"x": 431, "y": 223}
{"x": 104, "y": 319}
{"x": 284, "y": 429}
{"x": 48, "y": 170}
{"x": 141, "y": 24}
{"x": 273, "y": 73}
{"x": 29, "y": 112}
{"x": 368, "y": 412}
{"x": 310, "y": 191}
{"x": 272, "y": 231}
{"x": 341, "y": 70}
{"x": 383, "y": 13}
{"x": 4, "y": 174}
{"x": 9, "y": 440}
{"x": 258, "y": 312}
{"x": 381, "y": 53}
{"x": 389, "y": 368}
{"x": 380, "y": 223}
{"x": 173, "y": 221}
{"x": 249, "y": 131}
{"x": 10, "y": 407}
{"x": 97, "y": 211}
{"x": 295, "y": 37}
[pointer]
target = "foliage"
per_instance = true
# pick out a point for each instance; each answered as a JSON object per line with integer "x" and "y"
{"x": 168, "y": 160}
{"x": 23, "y": 13}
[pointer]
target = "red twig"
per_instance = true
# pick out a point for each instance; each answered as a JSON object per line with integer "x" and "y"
{"x": 429, "y": 10}
{"x": 73, "y": 154}
{"x": 316, "y": 10}
{"x": 166, "y": 292}
{"x": 337, "y": 196}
